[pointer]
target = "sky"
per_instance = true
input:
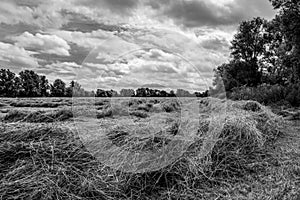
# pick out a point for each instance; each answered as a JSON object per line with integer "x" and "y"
{"x": 114, "y": 44}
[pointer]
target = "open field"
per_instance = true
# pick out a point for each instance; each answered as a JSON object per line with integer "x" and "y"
{"x": 147, "y": 148}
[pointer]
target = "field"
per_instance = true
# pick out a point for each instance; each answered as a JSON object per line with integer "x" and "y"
{"x": 146, "y": 148}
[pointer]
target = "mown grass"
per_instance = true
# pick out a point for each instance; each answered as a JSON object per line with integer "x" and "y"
{"x": 38, "y": 116}
{"x": 253, "y": 157}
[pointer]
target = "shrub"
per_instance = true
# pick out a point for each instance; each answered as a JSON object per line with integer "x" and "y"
{"x": 269, "y": 94}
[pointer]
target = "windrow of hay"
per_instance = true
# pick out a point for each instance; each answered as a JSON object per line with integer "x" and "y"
{"x": 39, "y": 104}
{"x": 48, "y": 162}
{"x": 38, "y": 116}
{"x": 238, "y": 150}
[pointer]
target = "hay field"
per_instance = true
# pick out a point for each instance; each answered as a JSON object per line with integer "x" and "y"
{"x": 146, "y": 148}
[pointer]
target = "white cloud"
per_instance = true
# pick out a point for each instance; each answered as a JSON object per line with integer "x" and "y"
{"x": 16, "y": 56}
{"x": 50, "y": 44}
{"x": 44, "y": 14}
{"x": 87, "y": 40}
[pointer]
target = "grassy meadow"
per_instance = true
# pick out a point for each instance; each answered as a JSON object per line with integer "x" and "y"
{"x": 146, "y": 148}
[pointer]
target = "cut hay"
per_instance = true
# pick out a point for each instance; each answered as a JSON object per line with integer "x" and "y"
{"x": 139, "y": 114}
{"x": 171, "y": 106}
{"x": 2, "y": 105}
{"x": 50, "y": 163}
{"x": 38, "y": 116}
{"x": 4, "y": 110}
{"x": 31, "y": 104}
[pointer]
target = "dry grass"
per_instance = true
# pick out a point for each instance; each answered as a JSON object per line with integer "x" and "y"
{"x": 38, "y": 116}
{"x": 44, "y": 161}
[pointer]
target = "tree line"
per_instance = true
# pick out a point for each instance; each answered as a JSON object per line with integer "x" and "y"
{"x": 29, "y": 84}
{"x": 148, "y": 92}
{"x": 265, "y": 55}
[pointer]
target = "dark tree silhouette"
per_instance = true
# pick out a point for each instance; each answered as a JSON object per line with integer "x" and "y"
{"x": 58, "y": 88}
{"x": 9, "y": 83}
{"x": 30, "y": 83}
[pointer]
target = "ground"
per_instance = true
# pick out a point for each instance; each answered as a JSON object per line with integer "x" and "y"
{"x": 42, "y": 158}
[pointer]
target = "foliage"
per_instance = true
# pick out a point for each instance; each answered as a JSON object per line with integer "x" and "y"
{"x": 269, "y": 94}
{"x": 127, "y": 93}
{"x": 58, "y": 88}
{"x": 8, "y": 83}
{"x": 265, "y": 63}
{"x": 30, "y": 83}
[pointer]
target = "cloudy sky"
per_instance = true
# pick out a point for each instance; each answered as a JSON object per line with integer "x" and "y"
{"x": 123, "y": 43}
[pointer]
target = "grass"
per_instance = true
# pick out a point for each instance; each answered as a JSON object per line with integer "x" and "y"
{"x": 254, "y": 156}
{"x": 38, "y": 116}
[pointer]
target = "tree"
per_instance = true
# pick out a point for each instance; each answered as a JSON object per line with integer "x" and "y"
{"x": 172, "y": 93}
{"x": 44, "y": 86}
{"x": 183, "y": 93}
{"x": 289, "y": 16}
{"x": 8, "y": 83}
{"x": 101, "y": 93}
{"x": 58, "y": 88}
{"x": 249, "y": 44}
{"x": 30, "y": 83}
{"x": 127, "y": 93}
{"x": 141, "y": 92}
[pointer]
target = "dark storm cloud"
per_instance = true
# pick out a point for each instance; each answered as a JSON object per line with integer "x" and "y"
{"x": 216, "y": 44}
{"x": 198, "y": 13}
{"x": 14, "y": 30}
{"x": 195, "y": 13}
{"x": 117, "y": 6}
{"x": 79, "y": 22}
{"x": 77, "y": 55}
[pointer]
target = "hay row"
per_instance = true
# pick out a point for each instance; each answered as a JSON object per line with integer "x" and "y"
{"x": 38, "y": 116}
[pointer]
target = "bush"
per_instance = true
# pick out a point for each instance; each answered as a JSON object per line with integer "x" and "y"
{"x": 269, "y": 94}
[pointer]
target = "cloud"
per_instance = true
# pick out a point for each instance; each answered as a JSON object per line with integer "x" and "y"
{"x": 88, "y": 40}
{"x": 216, "y": 44}
{"x": 116, "y": 6}
{"x": 50, "y": 44}
{"x": 14, "y": 56}
{"x": 198, "y": 13}
{"x": 44, "y": 14}
{"x": 62, "y": 70}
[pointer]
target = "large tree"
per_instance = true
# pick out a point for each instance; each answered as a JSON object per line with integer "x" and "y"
{"x": 30, "y": 83}
{"x": 9, "y": 83}
{"x": 44, "y": 86}
{"x": 289, "y": 16}
{"x": 249, "y": 45}
{"x": 58, "y": 88}
{"x": 127, "y": 93}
